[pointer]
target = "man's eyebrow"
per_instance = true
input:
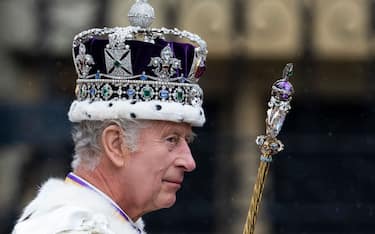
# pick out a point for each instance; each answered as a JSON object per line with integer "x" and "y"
{"x": 189, "y": 134}
{"x": 182, "y": 133}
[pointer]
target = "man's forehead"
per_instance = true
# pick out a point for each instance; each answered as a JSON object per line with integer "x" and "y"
{"x": 165, "y": 127}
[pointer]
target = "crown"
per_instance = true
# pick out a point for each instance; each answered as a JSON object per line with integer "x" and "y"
{"x": 138, "y": 72}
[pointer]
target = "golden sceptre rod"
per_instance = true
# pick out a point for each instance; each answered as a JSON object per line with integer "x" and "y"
{"x": 269, "y": 145}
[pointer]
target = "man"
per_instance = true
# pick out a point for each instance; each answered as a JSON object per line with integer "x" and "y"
{"x": 137, "y": 100}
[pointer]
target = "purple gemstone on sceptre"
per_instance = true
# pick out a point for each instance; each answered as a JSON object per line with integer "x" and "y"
{"x": 285, "y": 85}
{"x": 285, "y": 96}
{"x": 285, "y": 90}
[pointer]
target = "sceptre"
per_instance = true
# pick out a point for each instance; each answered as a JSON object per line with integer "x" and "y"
{"x": 269, "y": 145}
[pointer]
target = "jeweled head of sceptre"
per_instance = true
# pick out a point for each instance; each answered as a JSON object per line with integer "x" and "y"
{"x": 279, "y": 106}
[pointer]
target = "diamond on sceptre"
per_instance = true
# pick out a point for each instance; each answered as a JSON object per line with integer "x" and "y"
{"x": 282, "y": 91}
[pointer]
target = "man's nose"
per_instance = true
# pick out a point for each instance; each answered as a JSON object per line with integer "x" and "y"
{"x": 185, "y": 158}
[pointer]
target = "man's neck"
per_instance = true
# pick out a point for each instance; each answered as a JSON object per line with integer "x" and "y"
{"x": 79, "y": 179}
{"x": 107, "y": 182}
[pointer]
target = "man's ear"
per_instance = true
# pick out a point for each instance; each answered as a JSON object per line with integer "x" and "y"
{"x": 113, "y": 145}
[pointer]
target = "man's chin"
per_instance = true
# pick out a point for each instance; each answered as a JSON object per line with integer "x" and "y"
{"x": 168, "y": 201}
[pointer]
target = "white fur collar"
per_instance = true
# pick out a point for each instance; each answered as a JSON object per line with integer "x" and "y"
{"x": 60, "y": 206}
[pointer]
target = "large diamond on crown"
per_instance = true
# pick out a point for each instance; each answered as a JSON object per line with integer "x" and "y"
{"x": 118, "y": 61}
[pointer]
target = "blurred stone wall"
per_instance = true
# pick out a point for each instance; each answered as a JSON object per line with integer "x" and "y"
{"x": 331, "y": 43}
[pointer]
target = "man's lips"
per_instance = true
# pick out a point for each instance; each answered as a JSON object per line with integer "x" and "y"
{"x": 179, "y": 182}
{"x": 175, "y": 183}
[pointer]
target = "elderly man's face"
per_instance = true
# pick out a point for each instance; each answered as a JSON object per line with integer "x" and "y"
{"x": 156, "y": 169}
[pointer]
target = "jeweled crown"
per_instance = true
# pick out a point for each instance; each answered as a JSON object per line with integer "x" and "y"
{"x": 135, "y": 68}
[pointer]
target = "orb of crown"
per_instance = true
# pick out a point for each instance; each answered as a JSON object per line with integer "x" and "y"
{"x": 141, "y": 14}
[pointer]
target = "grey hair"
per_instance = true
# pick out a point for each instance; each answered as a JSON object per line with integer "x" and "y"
{"x": 86, "y": 138}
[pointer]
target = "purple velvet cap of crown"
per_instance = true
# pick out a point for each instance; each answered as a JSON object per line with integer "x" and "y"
{"x": 141, "y": 54}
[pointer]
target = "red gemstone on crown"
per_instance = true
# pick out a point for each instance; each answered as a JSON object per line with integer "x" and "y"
{"x": 199, "y": 72}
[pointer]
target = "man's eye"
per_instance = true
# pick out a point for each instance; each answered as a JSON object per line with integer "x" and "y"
{"x": 173, "y": 139}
